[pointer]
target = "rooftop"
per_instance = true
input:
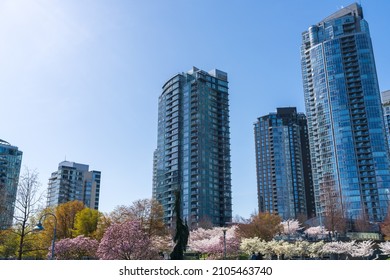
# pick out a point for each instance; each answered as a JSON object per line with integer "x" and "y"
{"x": 354, "y": 9}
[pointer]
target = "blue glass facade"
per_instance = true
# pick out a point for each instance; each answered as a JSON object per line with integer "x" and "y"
{"x": 345, "y": 121}
{"x": 386, "y": 114}
{"x": 193, "y": 147}
{"x": 10, "y": 162}
{"x": 284, "y": 183}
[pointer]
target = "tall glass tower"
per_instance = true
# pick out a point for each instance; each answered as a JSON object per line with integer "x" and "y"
{"x": 10, "y": 162}
{"x": 284, "y": 182}
{"x": 193, "y": 147}
{"x": 345, "y": 120}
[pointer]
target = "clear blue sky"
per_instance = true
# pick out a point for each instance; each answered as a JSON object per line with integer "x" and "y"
{"x": 81, "y": 78}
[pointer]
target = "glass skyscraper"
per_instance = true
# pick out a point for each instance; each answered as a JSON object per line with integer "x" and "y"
{"x": 193, "y": 148}
{"x": 73, "y": 181}
{"x": 284, "y": 182}
{"x": 345, "y": 120}
{"x": 10, "y": 162}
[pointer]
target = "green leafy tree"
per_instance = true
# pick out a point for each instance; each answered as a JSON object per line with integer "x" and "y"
{"x": 9, "y": 244}
{"x": 103, "y": 224}
{"x": 66, "y": 218}
{"x": 86, "y": 222}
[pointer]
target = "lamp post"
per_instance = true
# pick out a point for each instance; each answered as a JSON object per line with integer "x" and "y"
{"x": 224, "y": 243}
{"x": 40, "y": 227}
{"x": 288, "y": 230}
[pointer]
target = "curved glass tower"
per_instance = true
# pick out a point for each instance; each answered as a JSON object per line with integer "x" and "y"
{"x": 345, "y": 121}
{"x": 193, "y": 147}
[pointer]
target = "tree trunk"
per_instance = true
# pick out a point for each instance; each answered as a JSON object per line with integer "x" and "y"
{"x": 20, "y": 251}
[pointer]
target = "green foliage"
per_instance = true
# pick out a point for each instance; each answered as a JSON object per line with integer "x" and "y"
{"x": 103, "y": 224}
{"x": 66, "y": 216}
{"x": 35, "y": 244}
{"x": 9, "y": 244}
{"x": 86, "y": 222}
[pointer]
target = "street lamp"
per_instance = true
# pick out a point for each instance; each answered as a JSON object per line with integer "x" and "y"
{"x": 40, "y": 227}
{"x": 288, "y": 230}
{"x": 224, "y": 243}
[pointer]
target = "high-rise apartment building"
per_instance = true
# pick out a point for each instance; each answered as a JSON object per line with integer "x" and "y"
{"x": 284, "y": 182}
{"x": 193, "y": 147}
{"x": 386, "y": 113}
{"x": 73, "y": 181}
{"x": 348, "y": 146}
{"x": 10, "y": 162}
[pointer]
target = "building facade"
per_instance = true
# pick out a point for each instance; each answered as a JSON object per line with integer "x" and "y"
{"x": 347, "y": 138}
{"x": 193, "y": 148}
{"x": 10, "y": 163}
{"x": 284, "y": 182}
{"x": 386, "y": 113}
{"x": 73, "y": 181}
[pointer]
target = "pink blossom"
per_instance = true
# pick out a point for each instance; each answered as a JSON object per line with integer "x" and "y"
{"x": 126, "y": 241}
{"x": 316, "y": 231}
{"x": 385, "y": 247}
{"x": 211, "y": 242}
{"x": 338, "y": 247}
{"x": 291, "y": 226}
{"x": 76, "y": 248}
{"x": 363, "y": 249}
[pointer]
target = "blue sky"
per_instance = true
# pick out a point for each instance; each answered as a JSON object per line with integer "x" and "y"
{"x": 80, "y": 79}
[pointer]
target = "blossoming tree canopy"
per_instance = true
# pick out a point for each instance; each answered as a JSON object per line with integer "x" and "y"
{"x": 291, "y": 226}
{"x": 126, "y": 241}
{"x": 76, "y": 248}
{"x": 211, "y": 241}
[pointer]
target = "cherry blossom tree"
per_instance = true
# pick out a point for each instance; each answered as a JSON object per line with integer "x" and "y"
{"x": 316, "y": 232}
{"x": 282, "y": 248}
{"x": 290, "y": 249}
{"x": 301, "y": 248}
{"x": 385, "y": 248}
{"x": 338, "y": 248}
{"x": 210, "y": 242}
{"x": 363, "y": 249}
{"x": 76, "y": 248}
{"x": 163, "y": 243}
{"x": 255, "y": 244}
{"x": 290, "y": 227}
{"x": 315, "y": 249}
{"x": 126, "y": 241}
